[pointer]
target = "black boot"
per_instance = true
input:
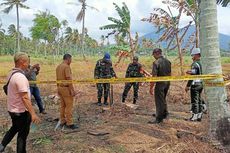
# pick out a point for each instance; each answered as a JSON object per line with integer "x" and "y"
{"x": 134, "y": 101}
{"x": 99, "y": 102}
{"x": 105, "y": 101}
{"x": 123, "y": 100}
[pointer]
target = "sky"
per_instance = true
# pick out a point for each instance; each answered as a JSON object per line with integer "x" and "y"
{"x": 94, "y": 19}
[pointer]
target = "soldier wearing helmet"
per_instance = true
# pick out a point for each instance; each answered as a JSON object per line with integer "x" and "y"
{"x": 134, "y": 70}
{"x": 103, "y": 69}
{"x": 196, "y": 87}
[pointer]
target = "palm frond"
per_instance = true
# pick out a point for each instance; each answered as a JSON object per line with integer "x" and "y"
{"x": 224, "y": 3}
{"x": 115, "y": 20}
{"x": 93, "y": 8}
{"x": 109, "y": 26}
{"x": 23, "y": 6}
{"x": 8, "y": 9}
{"x": 80, "y": 16}
{"x": 72, "y": 3}
{"x": 123, "y": 15}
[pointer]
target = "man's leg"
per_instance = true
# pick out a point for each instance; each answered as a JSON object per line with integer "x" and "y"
{"x": 106, "y": 92}
{"x": 99, "y": 93}
{"x": 16, "y": 123}
{"x": 160, "y": 103}
{"x": 166, "y": 113}
{"x": 135, "y": 91}
{"x": 23, "y": 133}
{"x": 37, "y": 97}
{"x": 69, "y": 110}
{"x": 195, "y": 102}
{"x": 62, "y": 110}
{"x": 126, "y": 90}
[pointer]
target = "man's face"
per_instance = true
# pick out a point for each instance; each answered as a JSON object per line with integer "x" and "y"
{"x": 155, "y": 55}
{"x": 24, "y": 63}
{"x": 195, "y": 57}
{"x": 69, "y": 61}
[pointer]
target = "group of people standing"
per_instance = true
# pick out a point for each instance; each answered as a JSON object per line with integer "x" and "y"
{"x": 20, "y": 91}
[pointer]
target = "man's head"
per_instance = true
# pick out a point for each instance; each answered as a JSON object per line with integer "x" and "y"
{"x": 107, "y": 56}
{"x": 195, "y": 54}
{"x": 135, "y": 59}
{"x": 67, "y": 58}
{"x": 21, "y": 60}
{"x": 157, "y": 52}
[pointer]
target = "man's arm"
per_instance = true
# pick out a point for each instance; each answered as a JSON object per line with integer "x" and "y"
{"x": 29, "y": 107}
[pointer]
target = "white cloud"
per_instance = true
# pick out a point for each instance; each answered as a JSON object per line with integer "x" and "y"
{"x": 94, "y": 19}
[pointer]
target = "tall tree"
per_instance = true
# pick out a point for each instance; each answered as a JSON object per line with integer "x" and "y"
{"x": 81, "y": 17}
{"x": 122, "y": 26}
{"x": 9, "y": 6}
{"x": 45, "y": 28}
{"x": 219, "y": 108}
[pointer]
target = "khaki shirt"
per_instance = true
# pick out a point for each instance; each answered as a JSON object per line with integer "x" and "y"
{"x": 63, "y": 71}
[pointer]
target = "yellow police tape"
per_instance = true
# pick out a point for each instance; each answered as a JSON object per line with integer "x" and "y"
{"x": 123, "y": 80}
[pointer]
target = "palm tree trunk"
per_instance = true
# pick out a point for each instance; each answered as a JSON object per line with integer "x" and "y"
{"x": 18, "y": 34}
{"x": 216, "y": 96}
{"x": 83, "y": 34}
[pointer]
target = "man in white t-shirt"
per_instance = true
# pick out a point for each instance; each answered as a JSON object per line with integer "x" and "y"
{"x": 19, "y": 104}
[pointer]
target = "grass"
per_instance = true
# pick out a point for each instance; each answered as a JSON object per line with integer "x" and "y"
{"x": 82, "y": 69}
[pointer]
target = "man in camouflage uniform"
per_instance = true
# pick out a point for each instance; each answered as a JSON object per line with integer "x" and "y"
{"x": 161, "y": 67}
{"x": 196, "y": 87}
{"x": 134, "y": 70}
{"x": 103, "y": 69}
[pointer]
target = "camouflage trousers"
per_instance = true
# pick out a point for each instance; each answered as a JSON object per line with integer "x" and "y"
{"x": 135, "y": 89}
{"x": 101, "y": 87}
{"x": 196, "y": 99}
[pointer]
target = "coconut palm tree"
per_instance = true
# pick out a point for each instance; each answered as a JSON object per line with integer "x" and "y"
{"x": 9, "y": 6}
{"x": 216, "y": 96}
{"x": 81, "y": 17}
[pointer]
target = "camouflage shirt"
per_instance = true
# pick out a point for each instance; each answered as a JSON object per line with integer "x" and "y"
{"x": 104, "y": 69}
{"x": 196, "y": 69}
{"x": 134, "y": 70}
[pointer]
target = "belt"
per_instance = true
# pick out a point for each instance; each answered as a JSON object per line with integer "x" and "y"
{"x": 17, "y": 114}
{"x": 63, "y": 85}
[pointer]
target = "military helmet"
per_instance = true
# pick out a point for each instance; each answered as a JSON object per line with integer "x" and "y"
{"x": 135, "y": 58}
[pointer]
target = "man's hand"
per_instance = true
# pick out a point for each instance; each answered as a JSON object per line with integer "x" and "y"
{"x": 151, "y": 90}
{"x": 186, "y": 89}
{"x": 35, "y": 119}
{"x": 73, "y": 93}
{"x": 189, "y": 72}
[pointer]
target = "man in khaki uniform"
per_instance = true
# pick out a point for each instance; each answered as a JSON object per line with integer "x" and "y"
{"x": 66, "y": 92}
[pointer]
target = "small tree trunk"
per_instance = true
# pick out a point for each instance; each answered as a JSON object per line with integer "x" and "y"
{"x": 180, "y": 53}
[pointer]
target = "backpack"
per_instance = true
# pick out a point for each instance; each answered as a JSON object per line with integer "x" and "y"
{"x": 5, "y": 87}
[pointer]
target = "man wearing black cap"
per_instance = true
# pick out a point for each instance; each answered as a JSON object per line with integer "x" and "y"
{"x": 103, "y": 69}
{"x": 161, "y": 67}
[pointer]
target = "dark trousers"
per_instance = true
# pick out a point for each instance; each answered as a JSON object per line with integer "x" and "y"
{"x": 196, "y": 100}
{"x": 101, "y": 87}
{"x": 135, "y": 89}
{"x": 21, "y": 125}
{"x": 36, "y": 93}
{"x": 160, "y": 92}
